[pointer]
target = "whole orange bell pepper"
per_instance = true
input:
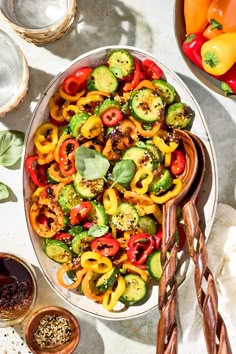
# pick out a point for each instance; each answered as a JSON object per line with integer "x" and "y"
{"x": 195, "y": 15}
{"x": 222, "y": 12}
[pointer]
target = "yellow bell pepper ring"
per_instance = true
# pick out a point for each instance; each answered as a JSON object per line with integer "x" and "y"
{"x": 94, "y": 261}
{"x": 69, "y": 111}
{"x": 92, "y": 127}
{"x": 46, "y": 218}
{"x": 141, "y": 180}
{"x": 168, "y": 195}
{"x": 46, "y": 137}
{"x": 90, "y": 102}
{"x": 111, "y": 297}
{"x": 110, "y": 201}
{"x": 65, "y": 268}
{"x": 219, "y": 53}
{"x": 167, "y": 161}
{"x": 86, "y": 287}
{"x": 160, "y": 143}
{"x": 129, "y": 266}
{"x": 70, "y": 98}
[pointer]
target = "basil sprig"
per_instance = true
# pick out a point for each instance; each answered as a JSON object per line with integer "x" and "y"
{"x": 11, "y": 145}
{"x": 123, "y": 172}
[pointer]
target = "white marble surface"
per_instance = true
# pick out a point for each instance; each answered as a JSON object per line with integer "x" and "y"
{"x": 149, "y": 26}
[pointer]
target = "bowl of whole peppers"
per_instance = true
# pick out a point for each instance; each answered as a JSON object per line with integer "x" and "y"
{"x": 205, "y": 31}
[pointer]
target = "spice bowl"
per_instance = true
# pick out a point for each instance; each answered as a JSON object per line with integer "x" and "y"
{"x": 14, "y": 74}
{"x": 180, "y": 34}
{"x": 18, "y": 289}
{"x": 52, "y": 329}
{"x": 39, "y": 22}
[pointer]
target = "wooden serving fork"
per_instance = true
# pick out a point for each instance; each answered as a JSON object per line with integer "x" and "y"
{"x": 215, "y": 332}
{"x": 167, "y": 331}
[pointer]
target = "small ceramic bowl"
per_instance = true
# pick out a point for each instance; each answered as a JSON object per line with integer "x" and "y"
{"x": 14, "y": 74}
{"x": 18, "y": 289}
{"x": 180, "y": 34}
{"x": 39, "y": 21}
{"x": 56, "y": 312}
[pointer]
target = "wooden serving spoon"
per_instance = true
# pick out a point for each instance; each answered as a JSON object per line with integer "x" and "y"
{"x": 215, "y": 331}
{"x": 167, "y": 331}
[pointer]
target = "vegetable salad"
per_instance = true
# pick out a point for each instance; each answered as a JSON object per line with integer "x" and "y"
{"x": 105, "y": 162}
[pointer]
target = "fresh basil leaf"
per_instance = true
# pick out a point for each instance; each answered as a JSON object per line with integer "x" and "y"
{"x": 123, "y": 172}
{"x": 4, "y": 192}
{"x": 11, "y": 144}
{"x": 98, "y": 230}
{"x": 90, "y": 163}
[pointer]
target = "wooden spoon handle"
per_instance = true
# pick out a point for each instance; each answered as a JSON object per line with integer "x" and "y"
{"x": 215, "y": 331}
{"x": 167, "y": 331}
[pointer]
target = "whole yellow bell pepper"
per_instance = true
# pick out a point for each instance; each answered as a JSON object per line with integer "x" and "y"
{"x": 219, "y": 53}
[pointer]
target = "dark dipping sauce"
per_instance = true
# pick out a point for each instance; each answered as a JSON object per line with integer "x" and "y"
{"x": 16, "y": 288}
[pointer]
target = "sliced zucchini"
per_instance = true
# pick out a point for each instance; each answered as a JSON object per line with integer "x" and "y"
{"x": 81, "y": 243}
{"x": 50, "y": 178}
{"x": 154, "y": 266}
{"x": 165, "y": 90}
{"x": 126, "y": 217}
{"x": 76, "y": 123}
{"x": 88, "y": 189}
{"x": 147, "y": 106}
{"x": 161, "y": 182}
{"x": 102, "y": 79}
{"x": 107, "y": 280}
{"x": 135, "y": 289}
{"x": 141, "y": 156}
{"x": 68, "y": 198}
{"x": 97, "y": 214}
{"x": 158, "y": 154}
{"x": 58, "y": 251}
{"x": 148, "y": 225}
{"x": 106, "y": 104}
{"x": 179, "y": 115}
{"x": 121, "y": 63}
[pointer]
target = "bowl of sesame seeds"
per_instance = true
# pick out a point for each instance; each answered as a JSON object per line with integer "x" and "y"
{"x": 52, "y": 329}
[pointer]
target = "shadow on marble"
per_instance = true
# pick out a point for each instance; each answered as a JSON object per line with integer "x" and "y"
{"x": 223, "y": 132}
{"x": 38, "y": 81}
{"x": 100, "y": 23}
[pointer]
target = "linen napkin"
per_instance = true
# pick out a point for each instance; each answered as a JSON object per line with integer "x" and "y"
{"x": 221, "y": 247}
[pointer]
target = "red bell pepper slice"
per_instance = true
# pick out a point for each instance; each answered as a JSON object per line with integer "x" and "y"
{"x": 136, "y": 78}
{"x": 63, "y": 236}
{"x": 139, "y": 248}
{"x": 67, "y": 157}
{"x": 158, "y": 238}
{"x": 111, "y": 117}
{"x": 42, "y": 219}
{"x": 181, "y": 236}
{"x": 105, "y": 245}
{"x": 82, "y": 74}
{"x": 71, "y": 85}
{"x": 192, "y": 48}
{"x": 177, "y": 165}
{"x": 37, "y": 172}
{"x": 153, "y": 71}
{"x": 79, "y": 212}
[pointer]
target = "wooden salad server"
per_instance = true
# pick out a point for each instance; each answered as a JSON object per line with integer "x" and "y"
{"x": 167, "y": 331}
{"x": 215, "y": 331}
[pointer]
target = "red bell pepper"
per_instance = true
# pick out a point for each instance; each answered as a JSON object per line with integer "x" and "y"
{"x": 111, "y": 117}
{"x": 136, "y": 78}
{"x": 158, "y": 238}
{"x": 105, "y": 245}
{"x": 153, "y": 71}
{"x": 77, "y": 81}
{"x": 82, "y": 74}
{"x": 139, "y": 248}
{"x": 177, "y": 165}
{"x": 79, "y": 212}
{"x": 67, "y": 157}
{"x": 192, "y": 48}
{"x": 63, "y": 236}
{"x": 37, "y": 172}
